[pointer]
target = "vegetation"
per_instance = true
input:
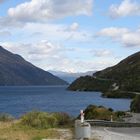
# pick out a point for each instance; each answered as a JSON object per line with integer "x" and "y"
{"x": 43, "y": 120}
{"x": 89, "y": 83}
{"x": 36, "y": 125}
{"x": 102, "y": 113}
{"x": 6, "y": 117}
{"x": 118, "y": 94}
{"x": 15, "y": 131}
{"x": 135, "y": 104}
{"x": 99, "y": 113}
{"x": 124, "y": 76}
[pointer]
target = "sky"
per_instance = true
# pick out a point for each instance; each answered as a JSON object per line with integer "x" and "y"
{"x": 71, "y": 35}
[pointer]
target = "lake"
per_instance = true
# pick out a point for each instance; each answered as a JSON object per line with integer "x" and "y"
{"x": 19, "y": 100}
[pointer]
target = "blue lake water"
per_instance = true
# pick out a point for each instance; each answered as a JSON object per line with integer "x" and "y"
{"x": 19, "y": 100}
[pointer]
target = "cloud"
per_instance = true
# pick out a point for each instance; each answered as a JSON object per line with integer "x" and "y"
{"x": 6, "y": 22}
{"x": 74, "y": 26}
{"x": 46, "y": 48}
{"x": 58, "y": 32}
{"x": 101, "y": 52}
{"x": 51, "y": 56}
{"x": 5, "y": 34}
{"x": 113, "y": 31}
{"x": 36, "y": 34}
{"x": 126, "y": 8}
{"x": 44, "y": 54}
{"x": 42, "y": 10}
{"x": 124, "y": 36}
{"x": 2, "y": 1}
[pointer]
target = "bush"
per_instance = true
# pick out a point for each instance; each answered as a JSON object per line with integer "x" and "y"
{"x": 43, "y": 120}
{"x": 38, "y": 120}
{"x": 98, "y": 112}
{"x": 6, "y": 117}
{"x": 62, "y": 119}
{"x": 135, "y": 104}
{"x": 120, "y": 114}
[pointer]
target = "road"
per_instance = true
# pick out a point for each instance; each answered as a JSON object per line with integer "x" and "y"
{"x": 103, "y": 133}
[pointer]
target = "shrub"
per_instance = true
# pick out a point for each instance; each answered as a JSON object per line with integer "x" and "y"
{"x": 6, "y": 117}
{"x": 38, "y": 120}
{"x": 98, "y": 112}
{"x": 110, "y": 109}
{"x": 93, "y": 112}
{"x": 120, "y": 114}
{"x": 62, "y": 118}
{"x": 44, "y": 120}
{"x": 135, "y": 104}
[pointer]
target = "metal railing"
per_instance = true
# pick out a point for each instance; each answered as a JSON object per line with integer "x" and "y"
{"x": 112, "y": 124}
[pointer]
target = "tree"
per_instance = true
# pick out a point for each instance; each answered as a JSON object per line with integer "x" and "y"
{"x": 135, "y": 104}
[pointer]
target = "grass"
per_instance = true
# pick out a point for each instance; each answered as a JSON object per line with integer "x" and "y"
{"x": 35, "y": 125}
{"x": 16, "y": 131}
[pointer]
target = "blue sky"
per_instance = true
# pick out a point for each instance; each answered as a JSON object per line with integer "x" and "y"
{"x": 72, "y": 36}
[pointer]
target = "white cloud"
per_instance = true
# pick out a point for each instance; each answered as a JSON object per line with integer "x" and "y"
{"x": 113, "y": 31}
{"x": 6, "y": 22}
{"x": 126, "y": 8}
{"x": 5, "y": 34}
{"x": 124, "y": 36}
{"x": 17, "y": 48}
{"x": 50, "y": 56}
{"x": 35, "y": 10}
{"x": 43, "y": 54}
{"x": 47, "y": 49}
{"x": 57, "y": 32}
{"x": 101, "y": 52}
{"x": 74, "y": 26}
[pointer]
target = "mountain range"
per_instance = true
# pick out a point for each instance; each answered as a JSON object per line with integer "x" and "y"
{"x": 16, "y": 71}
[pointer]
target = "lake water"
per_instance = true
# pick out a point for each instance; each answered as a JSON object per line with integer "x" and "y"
{"x": 18, "y": 100}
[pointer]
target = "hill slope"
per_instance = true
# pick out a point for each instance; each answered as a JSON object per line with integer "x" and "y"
{"x": 14, "y": 70}
{"x": 124, "y": 76}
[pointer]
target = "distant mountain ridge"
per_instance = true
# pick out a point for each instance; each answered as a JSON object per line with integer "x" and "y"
{"x": 69, "y": 76}
{"x": 125, "y": 76}
{"x": 14, "y": 70}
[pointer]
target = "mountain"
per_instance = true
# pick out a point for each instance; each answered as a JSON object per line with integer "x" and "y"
{"x": 14, "y": 70}
{"x": 69, "y": 76}
{"x": 125, "y": 76}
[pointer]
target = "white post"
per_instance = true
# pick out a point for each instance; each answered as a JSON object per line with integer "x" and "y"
{"x": 82, "y": 116}
{"x": 111, "y": 119}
